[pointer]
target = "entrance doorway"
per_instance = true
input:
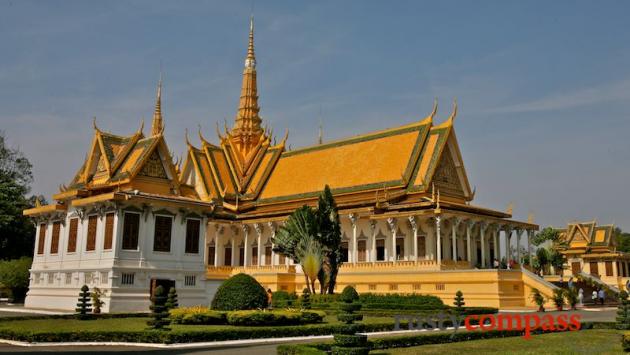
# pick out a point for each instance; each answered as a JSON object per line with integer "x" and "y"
{"x": 576, "y": 267}
{"x": 165, "y": 283}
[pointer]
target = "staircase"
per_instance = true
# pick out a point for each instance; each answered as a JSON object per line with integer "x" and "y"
{"x": 611, "y": 292}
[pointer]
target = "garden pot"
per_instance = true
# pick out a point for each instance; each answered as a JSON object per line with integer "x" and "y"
{"x": 541, "y": 309}
{"x": 558, "y": 308}
{"x": 96, "y": 311}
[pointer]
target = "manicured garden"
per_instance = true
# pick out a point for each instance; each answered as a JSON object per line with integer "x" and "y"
{"x": 596, "y": 341}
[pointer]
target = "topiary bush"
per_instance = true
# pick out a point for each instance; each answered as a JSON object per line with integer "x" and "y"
{"x": 348, "y": 341}
{"x": 305, "y": 302}
{"x": 171, "y": 301}
{"x": 159, "y": 312}
{"x": 459, "y": 302}
{"x": 239, "y": 292}
{"x": 84, "y": 306}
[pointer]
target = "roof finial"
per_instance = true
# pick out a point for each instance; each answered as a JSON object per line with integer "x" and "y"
{"x": 320, "y": 138}
{"x": 157, "y": 126}
{"x": 250, "y": 61}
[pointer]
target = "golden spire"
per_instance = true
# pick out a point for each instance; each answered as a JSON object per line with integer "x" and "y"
{"x": 157, "y": 126}
{"x": 247, "y": 130}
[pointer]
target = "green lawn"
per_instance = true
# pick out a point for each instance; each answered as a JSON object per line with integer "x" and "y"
{"x": 599, "y": 341}
{"x": 128, "y": 324}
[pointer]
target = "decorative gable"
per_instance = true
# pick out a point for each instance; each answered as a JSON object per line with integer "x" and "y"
{"x": 154, "y": 167}
{"x": 446, "y": 177}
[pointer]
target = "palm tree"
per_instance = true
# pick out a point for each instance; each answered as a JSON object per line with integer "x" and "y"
{"x": 296, "y": 240}
{"x": 310, "y": 254}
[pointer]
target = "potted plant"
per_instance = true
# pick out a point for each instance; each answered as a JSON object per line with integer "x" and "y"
{"x": 572, "y": 298}
{"x": 97, "y": 303}
{"x": 538, "y": 299}
{"x": 558, "y": 298}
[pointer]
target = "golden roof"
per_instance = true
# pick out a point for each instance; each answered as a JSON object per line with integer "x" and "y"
{"x": 588, "y": 236}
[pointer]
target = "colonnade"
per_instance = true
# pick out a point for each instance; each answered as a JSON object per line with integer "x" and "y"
{"x": 472, "y": 239}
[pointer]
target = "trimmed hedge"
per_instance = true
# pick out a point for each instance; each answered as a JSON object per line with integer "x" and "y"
{"x": 190, "y": 336}
{"x": 625, "y": 343}
{"x": 373, "y": 301}
{"x": 231, "y": 333}
{"x": 422, "y": 339}
{"x": 274, "y": 318}
{"x": 197, "y": 315}
{"x": 240, "y": 292}
{"x": 73, "y": 316}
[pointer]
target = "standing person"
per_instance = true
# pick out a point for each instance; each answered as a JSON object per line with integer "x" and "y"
{"x": 269, "y": 298}
{"x": 594, "y": 295}
{"x": 581, "y": 297}
{"x": 571, "y": 282}
{"x": 602, "y": 295}
{"x": 496, "y": 264}
{"x": 628, "y": 285}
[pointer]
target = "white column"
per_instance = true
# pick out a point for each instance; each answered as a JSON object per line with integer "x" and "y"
{"x": 246, "y": 259}
{"x": 392, "y": 227}
{"x": 274, "y": 257}
{"x": 518, "y": 245}
{"x": 469, "y": 226}
{"x": 439, "y": 239}
{"x": 482, "y": 231}
{"x": 234, "y": 253}
{"x": 217, "y": 244}
{"x": 508, "y": 235}
{"x": 372, "y": 256}
{"x": 454, "y": 223}
{"x": 414, "y": 229}
{"x": 353, "y": 222}
{"x": 259, "y": 229}
{"x": 495, "y": 244}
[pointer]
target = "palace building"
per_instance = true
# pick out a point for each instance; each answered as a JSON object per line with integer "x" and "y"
{"x": 133, "y": 218}
{"x": 592, "y": 249}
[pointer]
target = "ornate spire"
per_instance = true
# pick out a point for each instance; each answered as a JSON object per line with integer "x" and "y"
{"x": 247, "y": 131}
{"x": 157, "y": 126}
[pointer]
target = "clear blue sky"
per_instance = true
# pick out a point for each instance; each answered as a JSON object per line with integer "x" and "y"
{"x": 543, "y": 86}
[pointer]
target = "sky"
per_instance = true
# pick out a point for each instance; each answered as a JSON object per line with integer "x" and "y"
{"x": 543, "y": 87}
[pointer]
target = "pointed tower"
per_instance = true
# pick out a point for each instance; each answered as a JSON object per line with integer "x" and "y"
{"x": 157, "y": 125}
{"x": 247, "y": 131}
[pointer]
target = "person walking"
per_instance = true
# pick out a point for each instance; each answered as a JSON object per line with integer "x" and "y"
{"x": 628, "y": 285}
{"x": 594, "y": 295}
{"x": 602, "y": 295}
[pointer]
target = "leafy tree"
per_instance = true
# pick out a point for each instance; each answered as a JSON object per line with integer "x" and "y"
{"x": 172, "y": 302}
{"x": 556, "y": 259}
{"x": 159, "y": 312}
{"x": 459, "y": 302}
{"x": 546, "y": 234}
{"x": 622, "y": 239}
{"x": 330, "y": 238}
{"x": 84, "y": 306}
{"x": 542, "y": 258}
{"x": 14, "y": 275}
{"x": 623, "y": 312}
{"x": 17, "y": 233}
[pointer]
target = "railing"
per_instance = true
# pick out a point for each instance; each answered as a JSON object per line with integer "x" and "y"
{"x": 427, "y": 265}
{"x": 226, "y": 271}
{"x": 599, "y": 281}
